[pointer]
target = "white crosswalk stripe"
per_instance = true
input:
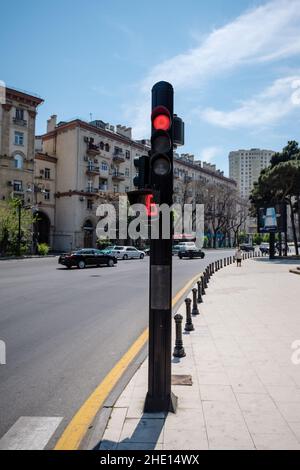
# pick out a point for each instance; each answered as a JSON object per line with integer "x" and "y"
{"x": 30, "y": 433}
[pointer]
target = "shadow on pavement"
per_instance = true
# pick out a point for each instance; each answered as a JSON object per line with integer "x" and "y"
{"x": 144, "y": 437}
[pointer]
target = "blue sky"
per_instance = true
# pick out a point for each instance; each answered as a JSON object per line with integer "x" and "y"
{"x": 234, "y": 65}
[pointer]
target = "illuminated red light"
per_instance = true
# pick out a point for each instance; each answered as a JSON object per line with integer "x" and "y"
{"x": 162, "y": 122}
{"x": 151, "y": 208}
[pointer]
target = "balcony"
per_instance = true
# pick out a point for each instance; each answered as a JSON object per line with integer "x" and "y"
{"x": 92, "y": 170}
{"x": 116, "y": 175}
{"x": 91, "y": 190}
{"x": 20, "y": 122}
{"x": 103, "y": 188}
{"x": 118, "y": 157}
{"x": 93, "y": 149}
{"x": 103, "y": 174}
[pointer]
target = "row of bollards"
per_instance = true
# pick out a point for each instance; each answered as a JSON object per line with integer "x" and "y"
{"x": 192, "y": 309}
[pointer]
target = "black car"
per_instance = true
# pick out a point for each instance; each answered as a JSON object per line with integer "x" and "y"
{"x": 247, "y": 248}
{"x": 87, "y": 257}
{"x": 190, "y": 254}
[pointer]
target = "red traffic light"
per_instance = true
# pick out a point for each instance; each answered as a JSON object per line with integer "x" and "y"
{"x": 161, "y": 119}
{"x": 151, "y": 208}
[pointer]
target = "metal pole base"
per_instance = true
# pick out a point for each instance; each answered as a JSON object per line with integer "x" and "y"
{"x": 156, "y": 405}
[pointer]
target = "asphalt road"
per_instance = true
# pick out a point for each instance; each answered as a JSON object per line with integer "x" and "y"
{"x": 65, "y": 329}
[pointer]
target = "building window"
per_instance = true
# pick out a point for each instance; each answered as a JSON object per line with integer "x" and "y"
{"x": 19, "y": 114}
{"x": 47, "y": 173}
{"x": 101, "y": 145}
{"x": 89, "y": 204}
{"x": 116, "y": 188}
{"x": 127, "y": 154}
{"x": 127, "y": 172}
{"x": 47, "y": 195}
{"x": 106, "y": 148}
{"x": 19, "y": 138}
{"x": 127, "y": 189}
{"x": 104, "y": 166}
{"x": 18, "y": 161}
{"x": 18, "y": 185}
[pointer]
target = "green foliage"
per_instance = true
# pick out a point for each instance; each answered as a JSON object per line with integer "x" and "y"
{"x": 205, "y": 241}
{"x": 102, "y": 243}
{"x": 9, "y": 228}
{"x": 257, "y": 238}
{"x": 242, "y": 238}
{"x": 43, "y": 249}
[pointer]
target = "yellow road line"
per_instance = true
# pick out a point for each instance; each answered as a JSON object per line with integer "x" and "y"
{"x": 78, "y": 426}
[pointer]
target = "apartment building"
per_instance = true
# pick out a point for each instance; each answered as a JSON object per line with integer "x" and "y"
{"x": 17, "y": 145}
{"x": 245, "y": 167}
{"x": 191, "y": 174}
{"x": 94, "y": 163}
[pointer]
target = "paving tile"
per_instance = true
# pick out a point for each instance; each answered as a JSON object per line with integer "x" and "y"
{"x": 285, "y": 441}
{"x": 230, "y": 435}
{"x": 114, "y": 426}
{"x": 176, "y": 439}
{"x": 221, "y": 412}
{"x": 223, "y": 393}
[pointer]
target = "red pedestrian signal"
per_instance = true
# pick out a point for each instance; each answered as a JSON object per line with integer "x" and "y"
{"x": 151, "y": 207}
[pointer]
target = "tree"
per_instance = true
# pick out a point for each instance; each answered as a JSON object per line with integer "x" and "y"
{"x": 9, "y": 227}
{"x": 281, "y": 183}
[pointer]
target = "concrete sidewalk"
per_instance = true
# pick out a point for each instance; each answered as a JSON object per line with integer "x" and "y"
{"x": 246, "y": 388}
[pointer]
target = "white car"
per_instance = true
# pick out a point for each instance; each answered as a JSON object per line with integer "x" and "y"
{"x": 125, "y": 252}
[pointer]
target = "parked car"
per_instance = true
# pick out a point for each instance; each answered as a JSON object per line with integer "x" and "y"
{"x": 191, "y": 253}
{"x": 87, "y": 257}
{"x": 247, "y": 247}
{"x": 125, "y": 252}
{"x": 187, "y": 246}
{"x": 264, "y": 248}
{"x": 175, "y": 250}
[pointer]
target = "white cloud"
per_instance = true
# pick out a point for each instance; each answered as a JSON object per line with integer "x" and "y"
{"x": 210, "y": 153}
{"x": 264, "y": 109}
{"x": 266, "y": 33}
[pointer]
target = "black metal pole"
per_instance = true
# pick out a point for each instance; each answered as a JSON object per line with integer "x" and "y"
{"x": 159, "y": 397}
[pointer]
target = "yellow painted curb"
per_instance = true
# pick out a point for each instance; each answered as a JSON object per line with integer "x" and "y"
{"x": 78, "y": 426}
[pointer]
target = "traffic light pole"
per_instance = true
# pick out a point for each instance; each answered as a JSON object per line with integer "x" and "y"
{"x": 159, "y": 397}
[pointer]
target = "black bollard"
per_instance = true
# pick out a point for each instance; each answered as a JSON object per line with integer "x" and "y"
{"x": 189, "y": 322}
{"x": 202, "y": 285}
{"x": 207, "y": 275}
{"x": 216, "y": 266}
{"x": 179, "y": 349}
{"x": 199, "y": 299}
{"x": 213, "y": 268}
{"x": 224, "y": 262}
{"x": 195, "y": 310}
{"x": 221, "y": 263}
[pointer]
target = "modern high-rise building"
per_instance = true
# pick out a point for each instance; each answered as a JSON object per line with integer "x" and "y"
{"x": 245, "y": 167}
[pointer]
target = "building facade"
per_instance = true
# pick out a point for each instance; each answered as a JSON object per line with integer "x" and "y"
{"x": 245, "y": 167}
{"x": 94, "y": 164}
{"x": 17, "y": 145}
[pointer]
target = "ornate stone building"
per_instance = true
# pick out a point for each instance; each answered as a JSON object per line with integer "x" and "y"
{"x": 17, "y": 144}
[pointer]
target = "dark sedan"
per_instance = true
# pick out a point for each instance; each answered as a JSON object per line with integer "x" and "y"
{"x": 87, "y": 257}
{"x": 191, "y": 254}
{"x": 247, "y": 247}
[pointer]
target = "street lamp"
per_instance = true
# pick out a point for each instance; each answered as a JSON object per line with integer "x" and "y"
{"x": 35, "y": 189}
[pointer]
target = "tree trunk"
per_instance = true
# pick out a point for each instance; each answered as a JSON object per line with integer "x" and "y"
{"x": 294, "y": 228}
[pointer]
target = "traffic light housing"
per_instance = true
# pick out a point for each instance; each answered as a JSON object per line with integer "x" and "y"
{"x": 162, "y": 141}
{"x": 141, "y": 181}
